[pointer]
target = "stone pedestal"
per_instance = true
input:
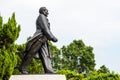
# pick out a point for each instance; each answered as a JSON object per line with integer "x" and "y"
{"x": 38, "y": 77}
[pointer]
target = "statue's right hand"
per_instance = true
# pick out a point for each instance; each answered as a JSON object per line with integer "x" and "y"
{"x": 54, "y": 39}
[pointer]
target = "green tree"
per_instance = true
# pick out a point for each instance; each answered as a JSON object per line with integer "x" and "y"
{"x": 9, "y": 33}
{"x": 78, "y": 57}
{"x": 71, "y": 74}
{"x": 97, "y": 75}
{"x": 103, "y": 69}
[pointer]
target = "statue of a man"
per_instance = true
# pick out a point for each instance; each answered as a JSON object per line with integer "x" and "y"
{"x": 38, "y": 44}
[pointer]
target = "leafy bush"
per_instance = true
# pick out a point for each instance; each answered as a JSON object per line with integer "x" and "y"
{"x": 94, "y": 75}
{"x": 71, "y": 74}
{"x": 9, "y": 32}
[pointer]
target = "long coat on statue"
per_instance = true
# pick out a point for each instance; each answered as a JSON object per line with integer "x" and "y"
{"x": 42, "y": 34}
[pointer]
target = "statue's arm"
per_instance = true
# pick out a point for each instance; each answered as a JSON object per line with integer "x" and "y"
{"x": 46, "y": 30}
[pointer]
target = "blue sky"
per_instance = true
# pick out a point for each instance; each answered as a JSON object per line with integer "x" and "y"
{"x": 96, "y": 22}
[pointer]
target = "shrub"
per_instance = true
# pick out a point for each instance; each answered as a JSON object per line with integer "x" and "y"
{"x": 9, "y": 32}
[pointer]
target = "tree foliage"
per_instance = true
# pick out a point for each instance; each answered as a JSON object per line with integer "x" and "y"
{"x": 103, "y": 69}
{"x": 71, "y": 74}
{"x": 9, "y": 33}
{"x": 94, "y": 75}
{"x": 78, "y": 57}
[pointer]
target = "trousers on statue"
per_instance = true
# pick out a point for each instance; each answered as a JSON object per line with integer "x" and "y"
{"x": 37, "y": 47}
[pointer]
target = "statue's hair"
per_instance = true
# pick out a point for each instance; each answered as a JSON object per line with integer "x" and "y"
{"x": 42, "y": 9}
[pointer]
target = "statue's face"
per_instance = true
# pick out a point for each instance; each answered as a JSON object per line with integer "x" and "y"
{"x": 45, "y": 12}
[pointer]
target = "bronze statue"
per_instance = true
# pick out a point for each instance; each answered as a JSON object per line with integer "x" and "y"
{"x": 38, "y": 44}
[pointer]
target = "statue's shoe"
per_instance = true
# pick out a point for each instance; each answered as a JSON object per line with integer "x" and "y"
{"x": 50, "y": 72}
{"x": 22, "y": 71}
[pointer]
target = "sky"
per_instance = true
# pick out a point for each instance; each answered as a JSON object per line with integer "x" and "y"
{"x": 96, "y": 22}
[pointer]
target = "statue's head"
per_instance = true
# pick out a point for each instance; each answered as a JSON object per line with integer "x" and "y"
{"x": 44, "y": 11}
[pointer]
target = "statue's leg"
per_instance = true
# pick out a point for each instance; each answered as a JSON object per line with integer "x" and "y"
{"x": 28, "y": 56}
{"x": 45, "y": 58}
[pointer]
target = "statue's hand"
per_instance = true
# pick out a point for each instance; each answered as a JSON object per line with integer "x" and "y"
{"x": 54, "y": 39}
